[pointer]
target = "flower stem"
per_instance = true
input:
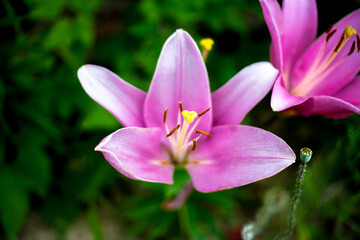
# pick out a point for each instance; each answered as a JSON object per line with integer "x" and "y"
{"x": 305, "y": 156}
{"x": 180, "y": 199}
{"x": 184, "y": 222}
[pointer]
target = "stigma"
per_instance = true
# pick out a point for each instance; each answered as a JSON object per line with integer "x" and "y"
{"x": 181, "y": 144}
{"x": 207, "y": 43}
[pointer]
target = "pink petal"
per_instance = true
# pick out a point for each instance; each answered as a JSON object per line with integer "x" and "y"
{"x": 333, "y": 107}
{"x": 180, "y": 76}
{"x": 273, "y": 18}
{"x": 351, "y": 92}
{"x": 137, "y": 153}
{"x": 238, "y": 96}
{"x": 281, "y": 99}
{"x": 342, "y": 73}
{"x": 299, "y": 28}
{"x": 120, "y": 98}
{"x": 237, "y": 155}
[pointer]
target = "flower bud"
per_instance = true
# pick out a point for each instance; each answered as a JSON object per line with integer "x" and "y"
{"x": 305, "y": 154}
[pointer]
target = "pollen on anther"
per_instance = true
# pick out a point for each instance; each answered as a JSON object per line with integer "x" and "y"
{"x": 180, "y": 106}
{"x": 352, "y": 48}
{"x": 339, "y": 43}
{"x": 330, "y": 35}
{"x": 165, "y": 115}
{"x": 173, "y": 130}
{"x": 330, "y": 27}
{"x": 194, "y": 145}
{"x": 202, "y": 113}
{"x": 202, "y": 132}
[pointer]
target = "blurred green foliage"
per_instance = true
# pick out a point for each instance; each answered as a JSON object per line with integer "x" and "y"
{"x": 50, "y": 126}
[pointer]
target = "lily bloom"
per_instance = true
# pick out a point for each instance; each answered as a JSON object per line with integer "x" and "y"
{"x": 179, "y": 123}
{"x": 317, "y": 77}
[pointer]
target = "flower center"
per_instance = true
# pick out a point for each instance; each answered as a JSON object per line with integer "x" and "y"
{"x": 325, "y": 62}
{"x": 179, "y": 137}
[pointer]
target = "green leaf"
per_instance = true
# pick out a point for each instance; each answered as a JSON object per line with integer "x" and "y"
{"x": 14, "y": 203}
{"x": 33, "y": 163}
{"x": 60, "y": 210}
{"x": 98, "y": 118}
{"x": 94, "y": 223}
{"x": 60, "y": 35}
{"x": 45, "y": 10}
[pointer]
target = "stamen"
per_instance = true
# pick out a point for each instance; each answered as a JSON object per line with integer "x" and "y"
{"x": 329, "y": 29}
{"x": 339, "y": 43}
{"x": 358, "y": 42}
{"x": 202, "y": 132}
{"x": 202, "y": 113}
{"x": 180, "y": 106}
{"x": 194, "y": 145}
{"x": 165, "y": 115}
{"x": 352, "y": 48}
{"x": 330, "y": 35}
{"x": 173, "y": 130}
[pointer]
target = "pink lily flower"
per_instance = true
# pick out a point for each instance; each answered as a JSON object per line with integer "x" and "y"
{"x": 206, "y": 139}
{"x": 317, "y": 77}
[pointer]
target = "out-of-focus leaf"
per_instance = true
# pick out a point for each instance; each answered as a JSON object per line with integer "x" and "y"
{"x": 45, "y": 10}
{"x": 98, "y": 118}
{"x": 60, "y": 210}
{"x": 60, "y": 35}
{"x": 94, "y": 223}
{"x": 85, "y": 6}
{"x": 33, "y": 163}
{"x": 14, "y": 202}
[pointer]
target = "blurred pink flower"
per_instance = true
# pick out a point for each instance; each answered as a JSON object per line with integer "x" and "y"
{"x": 317, "y": 77}
{"x": 159, "y": 135}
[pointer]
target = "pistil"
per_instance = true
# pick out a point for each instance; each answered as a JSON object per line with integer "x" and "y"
{"x": 179, "y": 135}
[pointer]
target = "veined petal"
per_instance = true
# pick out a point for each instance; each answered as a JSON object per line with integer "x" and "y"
{"x": 281, "y": 99}
{"x": 120, "y": 98}
{"x": 238, "y": 96}
{"x": 273, "y": 18}
{"x": 342, "y": 69}
{"x": 299, "y": 28}
{"x": 137, "y": 153}
{"x": 237, "y": 155}
{"x": 180, "y": 76}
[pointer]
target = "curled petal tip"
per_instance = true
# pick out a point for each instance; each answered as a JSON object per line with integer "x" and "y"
{"x": 180, "y": 31}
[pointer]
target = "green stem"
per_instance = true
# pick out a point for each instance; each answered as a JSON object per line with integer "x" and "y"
{"x": 184, "y": 222}
{"x": 295, "y": 201}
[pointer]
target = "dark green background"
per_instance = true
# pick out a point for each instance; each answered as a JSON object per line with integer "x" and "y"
{"x": 49, "y": 126}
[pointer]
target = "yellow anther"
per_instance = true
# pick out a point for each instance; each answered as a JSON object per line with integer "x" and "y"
{"x": 189, "y": 116}
{"x": 349, "y": 31}
{"x": 207, "y": 43}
